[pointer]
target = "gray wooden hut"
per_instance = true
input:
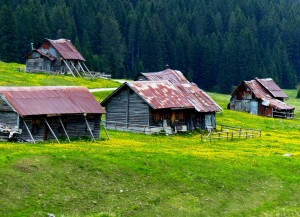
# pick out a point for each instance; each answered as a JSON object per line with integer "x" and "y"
{"x": 156, "y": 105}
{"x": 261, "y": 97}
{"x": 56, "y": 56}
{"x": 43, "y": 113}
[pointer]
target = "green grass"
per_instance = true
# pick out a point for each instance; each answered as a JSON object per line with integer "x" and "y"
{"x": 150, "y": 175}
{"x": 11, "y": 76}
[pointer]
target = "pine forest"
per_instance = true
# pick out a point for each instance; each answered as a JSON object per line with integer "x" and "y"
{"x": 215, "y": 43}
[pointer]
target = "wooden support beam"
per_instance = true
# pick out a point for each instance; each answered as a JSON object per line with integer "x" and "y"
{"x": 88, "y": 126}
{"x": 51, "y": 130}
{"x": 82, "y": 68}
{"x": 86, "y": 67}
{"x": 29, "y": 131}
{"x": 64, "y": 129}
{"x": 75, "y": 68}
{"x": 69, "y": 68}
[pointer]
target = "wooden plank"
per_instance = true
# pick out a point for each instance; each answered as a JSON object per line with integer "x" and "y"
{"x": 64, "y": 129}
{"x": 69, "y": 68}
{"x": 51, "y": 130}
{"x": 75, "y": 68}
{"x": 29, "y": 131}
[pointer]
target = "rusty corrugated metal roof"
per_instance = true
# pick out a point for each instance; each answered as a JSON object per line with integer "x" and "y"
{"x": 258, "y": 88}
{"x": 29, "y": 101}
{"x": 272, "y": 87}
{"x": 163, "y": 94}
{"x": 173, "y": 76}
{"x": 66, "y": 49}
{"x": 277, "y": 104}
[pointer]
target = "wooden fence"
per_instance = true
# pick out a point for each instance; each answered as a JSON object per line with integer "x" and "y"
{"x": 287, "y": 115}
{"x": 230, "y": 133}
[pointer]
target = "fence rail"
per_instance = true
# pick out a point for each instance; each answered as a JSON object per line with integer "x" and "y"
{"x": 231, "y": 132}
{"x": 136, "y": 127}
{"x": 287, "y": 115}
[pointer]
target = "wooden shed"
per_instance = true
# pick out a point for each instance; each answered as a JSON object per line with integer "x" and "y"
{"x": 56, "y": 56}
{"x": 43, "y": 113}
{"x": 152, "y": 106}
{"x": 261, "y": 97}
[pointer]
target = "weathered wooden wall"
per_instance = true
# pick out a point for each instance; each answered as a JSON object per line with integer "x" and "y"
{"x": 128, "y": 108}
{"x": 7, "y": 116}
{"x": 75, "y": 126}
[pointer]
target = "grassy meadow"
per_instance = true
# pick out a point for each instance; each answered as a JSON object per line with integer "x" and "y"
{"x": 158, "y": 175}
{"x": 12, "y": 74}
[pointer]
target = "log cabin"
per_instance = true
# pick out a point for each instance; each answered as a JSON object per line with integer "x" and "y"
{"x": 56, "y": 56}
{"x": 46, "y": 113}
{"x": 261, "y": 97}
{"x": 159, "y": 105}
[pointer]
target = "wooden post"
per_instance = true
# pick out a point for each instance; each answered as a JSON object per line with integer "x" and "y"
{"x": 69, "y": 68}
{"x": 105, "y": 130}
{"x": 227, "y": 135}
{"x": 28, "y": 131}
{"x": 82, "y": 68}
{"x": 232, "y": 136}
{"x": 64, "y": 129}
{"x": 88, "y": 126}
{"x": 51, "y": 130}
{"x": 219, "y": 135}
{"x": 75, "y": 68}
{"x": 86, "y": 67}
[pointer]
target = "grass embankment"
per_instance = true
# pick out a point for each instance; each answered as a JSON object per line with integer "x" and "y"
{"x": 10, "y": 75}
{"x": 142, "y": 175}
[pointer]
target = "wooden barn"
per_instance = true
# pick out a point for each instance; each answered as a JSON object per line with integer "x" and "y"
{"x": 56, "y": 56}
{"x": 46, "y": 113}
{"x": 156, "y": 105}
{"x": 261, "y": 97}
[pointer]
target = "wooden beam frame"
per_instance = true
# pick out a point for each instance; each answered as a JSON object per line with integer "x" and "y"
{"x": 69, "y": 68}
{"x": 29, "y": 131}
{"x": 64, "y": 129}
{"x": 86, "y": 67}
{"x": 75, "y": 68}
{"x": 82, "y": 68}
{"x": 51, "y": 130}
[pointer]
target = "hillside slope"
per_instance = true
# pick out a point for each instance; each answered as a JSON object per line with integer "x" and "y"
{"x": 142, "y": 175}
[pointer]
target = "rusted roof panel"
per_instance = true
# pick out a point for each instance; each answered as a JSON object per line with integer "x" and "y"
{"x": 198, "y": 98}
{"x": 272, "y": 87}
{"x": 66, "y": 49}
{"x": 258, "y": 90}
{"x": 173, "y": 76}
{"x": 163, "y": 94}
{"x": 160, "y": 94}
{"x": 277, "y": 104}
{"x": 29, "y": 101}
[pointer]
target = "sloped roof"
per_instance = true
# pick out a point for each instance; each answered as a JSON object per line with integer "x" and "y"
{"x": 277, "y": 104}
{"x": 66, "y": 49}
{"x": 272, "y": 87}
{"x": 163, "y": 94}
{"x": 173, "y": 76}
{"x": 29, "y": 101}
{"x": 266, "y": 90}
